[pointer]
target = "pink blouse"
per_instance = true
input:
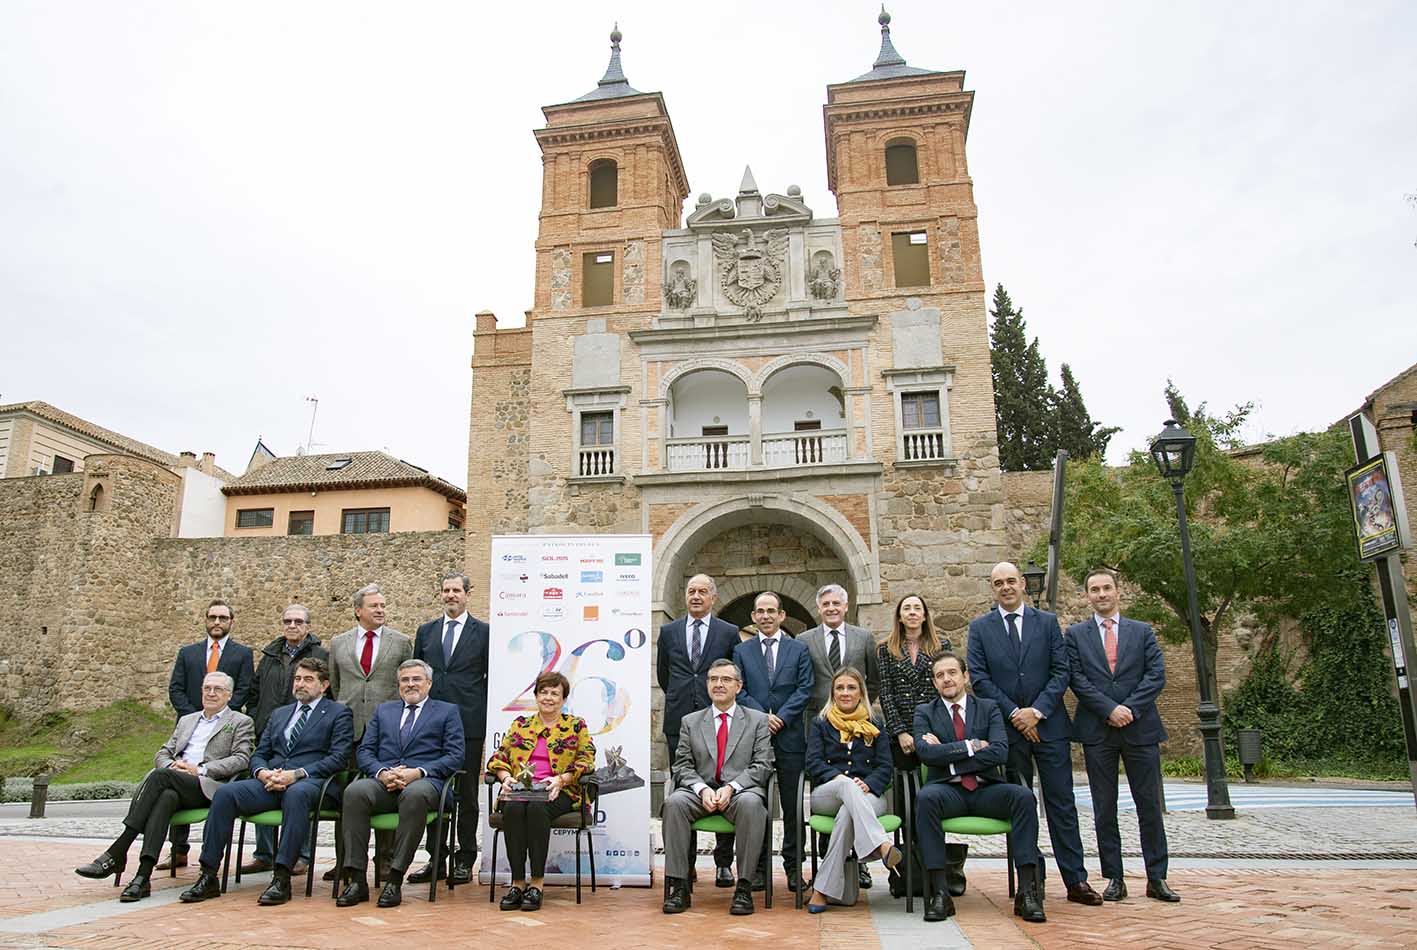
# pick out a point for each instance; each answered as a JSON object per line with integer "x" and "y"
{"x": 540, "y": 761}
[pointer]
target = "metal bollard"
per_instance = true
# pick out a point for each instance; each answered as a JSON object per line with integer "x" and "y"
{"x": 39, "y": 796}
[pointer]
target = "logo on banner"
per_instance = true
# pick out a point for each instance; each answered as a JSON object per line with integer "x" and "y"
{"x": 555, "y": 577}
{"x": 513, "y": 613}
{"x": 514, "y": 558}
{"x": 627, "y": 578}
{"x": 586, "y": 594}
{"x": 552, "y": 613}
{"x": 592, "y": 577}
{"x": 590, "y": 612}
{"x": 592, "y": 560}
{"x": 554, "y": 557}
{"x": 627, "y": 560}
{"x": 510, "y": 595}
{"x": 551, "y": 593}
{"x": 624, "y": 612}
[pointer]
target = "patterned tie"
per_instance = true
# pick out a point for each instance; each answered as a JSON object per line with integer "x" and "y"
{"x": 1015, "y": 639}
{"x": 969, "y": 782}
{"x": 697, "y": 652}
{"x": 366, "y": 660}
{"x": 722, "y": 745}
{"x": 406, "y": 730}
{"x": 768, "y": 644}
{"x": 834, "y": 652}
{"x": 214, "y": 657}
{"x": 448, "y": 642}
{"x": 1109, "y": 643}
{"x": 296, "y": 729}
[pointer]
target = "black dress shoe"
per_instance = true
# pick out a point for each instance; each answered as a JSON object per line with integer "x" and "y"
{"x": 794, "y": 880}
{"x": 532, "y": 899}
{"x": 863, "y": 876}
{"x": 206, "y": 888}
{"x": 1116, "y": 890}
{"x": 512, "y": 900}
{"x": 1082, "y": 893}
{"x": 723, "y": 877}
{"x": 331, "y": 875}
{"x": 1027, "y": 903}
{"x": 138, "y": 888}
{"x": 391, "y": 895}
{"x": 462, "y": 871}
{"x": 676, "y": 901}
{"x": 742, "y": 904}
{"x": 356, "y": 891}
{"x": 955, "y": 855}
{"x": 277, "y": 893}
{"x": 100, "y": 868}
{"x": 1157, "y": 889}
{"x": 760, "y": 882}
{"x": 939, "y": 907}
{"x": 425, "y": 874}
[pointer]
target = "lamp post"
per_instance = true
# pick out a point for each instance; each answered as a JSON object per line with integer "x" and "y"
{"x": 1174, "y": 452}
{"x": 1033, "y": 578}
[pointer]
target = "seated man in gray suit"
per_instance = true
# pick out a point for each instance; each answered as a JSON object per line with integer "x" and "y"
{"x": 723, "y": 764}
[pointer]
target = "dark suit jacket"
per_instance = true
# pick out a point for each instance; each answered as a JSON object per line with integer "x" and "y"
{"x": 321, "y": 749}
{"x": 184, "y": 689}
{"x": 463, "y": 682}
{"x": 436, "y": 746}
{"x": 1140, "y": 675}
{"x": 686, "y": 687}
{"x": 982, "y": 720}
{"x": 785, "y": 695}
{"x": 1037, "y": 678}
{"x": 828, "y": 756}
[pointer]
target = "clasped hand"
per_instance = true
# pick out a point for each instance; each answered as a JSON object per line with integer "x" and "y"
{"x": 277, "y": 780}
{"x": 1025, "y": 719}
{"x": 716, "y": 799}
{"x": 399, "y": 777}
{"x": 930, "y": 738}
{"x": 1119, "y": 717}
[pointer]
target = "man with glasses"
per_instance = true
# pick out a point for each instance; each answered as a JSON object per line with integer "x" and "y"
{"x": 275, "y": 673}
{"x": 218, "y": 653}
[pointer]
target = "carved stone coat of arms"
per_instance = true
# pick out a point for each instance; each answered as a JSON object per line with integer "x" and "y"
{"x": 750, "y": 272}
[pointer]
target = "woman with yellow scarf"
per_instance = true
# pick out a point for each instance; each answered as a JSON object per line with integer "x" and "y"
{"x": 850, "y": 765}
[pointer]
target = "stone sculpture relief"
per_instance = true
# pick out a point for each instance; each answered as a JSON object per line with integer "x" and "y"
{"x": 824, "y": 282}
{"x": 680, "y": 292}
{"x": 749, "y": 273}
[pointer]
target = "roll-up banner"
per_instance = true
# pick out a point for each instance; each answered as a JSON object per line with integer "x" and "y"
{"x": 580, "y": 605}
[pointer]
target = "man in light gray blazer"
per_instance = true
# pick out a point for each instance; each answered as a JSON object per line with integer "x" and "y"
{"x": 834, "y": 644}
{"x": 722, "y": 766}
{"x": 207, "y": 748}
{"x": 364, "y": 672}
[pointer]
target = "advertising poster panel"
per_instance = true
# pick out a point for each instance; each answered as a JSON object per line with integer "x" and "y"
{"x": 580, "y": 605}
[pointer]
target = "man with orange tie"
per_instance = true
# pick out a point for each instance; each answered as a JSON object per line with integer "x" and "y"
{"x": 1117, "y": 673}
{"x": 217, "y": 654}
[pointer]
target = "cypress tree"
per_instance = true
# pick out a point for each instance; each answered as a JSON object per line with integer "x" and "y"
{"x": 1023, "y": 397}
{"x": 1076, "y": 432}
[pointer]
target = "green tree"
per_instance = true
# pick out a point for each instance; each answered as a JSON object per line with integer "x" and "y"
{"x": 1074, "y": 430}
{"x": 1023, "y": 397}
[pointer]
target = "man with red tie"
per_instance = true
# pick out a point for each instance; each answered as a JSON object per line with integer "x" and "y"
{"x": 962, "y": 741}
{"x": 364, "y": 664}
{"x": 1117, "y": 673}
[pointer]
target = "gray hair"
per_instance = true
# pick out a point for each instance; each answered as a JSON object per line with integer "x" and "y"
{"x": 411, "y": 663}
{"x": 712, "y": 585}
{"x": 837, "y": 589}
{"x": 365, "y": 591}
{"x": 466, "y": 581}
{"x": 724, "y": 661}
{"x": 225, "y": 679}
{"x": 300, "y": 607}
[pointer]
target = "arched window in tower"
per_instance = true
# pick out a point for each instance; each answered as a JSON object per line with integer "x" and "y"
{"x": 604, "y": 183}
{"x": 96, "y": 498}
{"x": 901, "y": 165}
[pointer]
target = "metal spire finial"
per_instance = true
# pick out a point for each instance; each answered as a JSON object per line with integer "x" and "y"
{"x": 888, "y": 55}
{"x": 613, "y": 73}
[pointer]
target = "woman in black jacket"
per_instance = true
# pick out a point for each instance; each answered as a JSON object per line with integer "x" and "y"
{"x": 849, "y": 761}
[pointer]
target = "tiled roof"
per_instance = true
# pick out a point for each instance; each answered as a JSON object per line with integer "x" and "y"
{"x": 99, "y": 434}
{"x": 324, "y": 473}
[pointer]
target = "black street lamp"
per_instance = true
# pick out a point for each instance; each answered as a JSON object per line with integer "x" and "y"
{"x": 1033, "y": 578}
{"x": 1174, "y": 452}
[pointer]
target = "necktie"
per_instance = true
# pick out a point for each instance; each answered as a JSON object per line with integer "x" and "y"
{"x": 448, "y": 641}
{"x": 722, "y": 745}
{"x": 366, "y": 660}
{"x": 214, "y": 657}
{"x": 406, "y": 729}
{"x": 1014, "y": 637}
{"x": 834, "y": 652}
{"x": 969, "y": 782}
{"x": 1109, "y": 643}
{"x": 295, "y": 729}
{"x": 768, "y": 644}
{"x": 697, "y": 652}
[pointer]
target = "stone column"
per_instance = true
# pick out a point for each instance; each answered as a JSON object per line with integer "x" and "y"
{"x": 755, "y": 429}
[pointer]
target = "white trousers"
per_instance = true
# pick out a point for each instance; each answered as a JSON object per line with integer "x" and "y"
{"x": 858, "y": 828}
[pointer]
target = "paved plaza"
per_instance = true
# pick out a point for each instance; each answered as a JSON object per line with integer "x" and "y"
{"x": 1322, "y": 867}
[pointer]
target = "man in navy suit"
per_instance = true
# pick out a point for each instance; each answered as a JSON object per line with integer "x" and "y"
{"x": 964, "y": 744}
{"x": 1017, "y": 659}
{"x": 777, "y": 673}
{"x": 1117, "y": 673}
{"x": 410, "y": 748}
{"x": 455, "y": 645}
{"x": 217, "y": 654}
{"x": 302, "y": 745}
{"x": 687, "y": 648}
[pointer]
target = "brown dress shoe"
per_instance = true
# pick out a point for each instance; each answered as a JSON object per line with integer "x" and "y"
{"x": 173, "y": 861}
{"x": 255, "y": 866}
{"x": 301, "y": 866}
{"x": 1082, "y": 893}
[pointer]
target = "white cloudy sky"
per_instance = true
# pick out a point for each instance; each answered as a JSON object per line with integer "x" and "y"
{"x": 210, "y": 211}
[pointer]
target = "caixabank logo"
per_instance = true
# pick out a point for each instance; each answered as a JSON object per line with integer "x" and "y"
{"x": 627, "y": 560}
{"x": 552, "y": 593}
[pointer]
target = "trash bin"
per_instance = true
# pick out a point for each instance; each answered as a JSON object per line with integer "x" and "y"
{"x": 1250, "y": 751}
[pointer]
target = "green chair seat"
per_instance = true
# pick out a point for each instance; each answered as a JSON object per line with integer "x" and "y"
{"x": 389, "y": 821}
{"x": 270, "y": 819}
{"x": 974, "y": 825}
{"x": 189, "y": 816}
{"x": 714, "y": 823}
{"x": 825, "y": 824}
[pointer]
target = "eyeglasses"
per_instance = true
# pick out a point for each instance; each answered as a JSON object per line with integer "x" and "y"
{"x": 215, "y": 689}
{"x": 294, "y": 623}
{"x": 219, "y": 619}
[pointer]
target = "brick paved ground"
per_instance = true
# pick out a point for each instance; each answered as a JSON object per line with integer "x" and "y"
{"x": 1318, "y": 905}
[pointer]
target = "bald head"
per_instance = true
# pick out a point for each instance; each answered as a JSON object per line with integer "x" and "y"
{"x": 700, "y": 594}
{"x": 1007, "y": 585}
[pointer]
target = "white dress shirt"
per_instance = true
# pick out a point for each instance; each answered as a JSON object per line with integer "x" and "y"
{"x": 461, "y": 621}
{"x": 1102, "y": 631}
{"x": 221, "y": 648}
{"x": 196, "y": 746}
{"x": 689, "y": 621}
{"x": 731, "y": 711}
{"x": 362, "y": 639}
{"x": 950, "y": 705}
{"x": 295, "y": 716}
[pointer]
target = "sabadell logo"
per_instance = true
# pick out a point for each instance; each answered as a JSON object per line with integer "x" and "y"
{"x": 555, "y": 577}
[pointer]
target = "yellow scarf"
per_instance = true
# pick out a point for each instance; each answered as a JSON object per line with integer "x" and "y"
{"x": 853, "y": 725}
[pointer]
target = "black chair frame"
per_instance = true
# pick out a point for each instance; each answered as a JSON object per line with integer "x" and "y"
{"x": 902, "y": 841}
{"x": 585, "y": 823}
{"x": 766, "y": 858}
